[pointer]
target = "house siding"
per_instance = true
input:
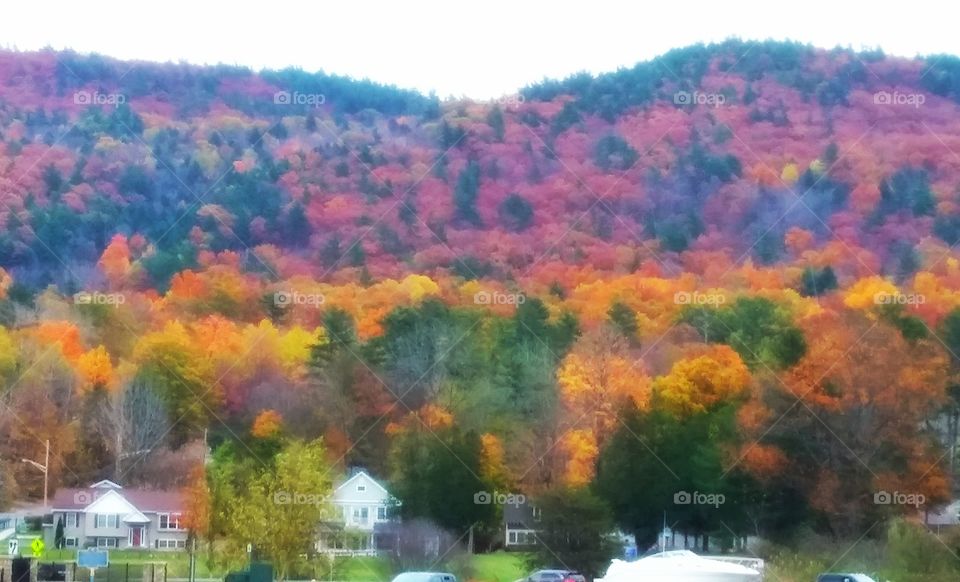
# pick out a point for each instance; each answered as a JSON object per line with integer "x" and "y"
{"x": 351, "y": 501}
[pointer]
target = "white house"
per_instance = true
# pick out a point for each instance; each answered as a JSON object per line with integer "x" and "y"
{"x": 520, "y": 524}
{"x": 361, "y": 503}
{"x": 105, "y": 515}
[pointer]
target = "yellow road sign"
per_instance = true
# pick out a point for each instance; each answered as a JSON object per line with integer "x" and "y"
{"x": 37, "y": 546}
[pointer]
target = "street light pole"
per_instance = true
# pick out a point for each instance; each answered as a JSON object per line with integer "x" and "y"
{"x": 44, "y": 469}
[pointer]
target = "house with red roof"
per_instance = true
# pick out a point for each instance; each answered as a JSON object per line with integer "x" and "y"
{"x": 106, "y": 515}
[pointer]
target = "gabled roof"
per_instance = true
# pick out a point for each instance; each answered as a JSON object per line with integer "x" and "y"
{"x": 949, "y": 515}
{"x": 359, "y": 475}
{"x": 519, "y": 515}
{"x": 136, "y": 517}
{"x": 111, "y": 502}
{"x": 142, "y": 500}
{"x": 105, "y": 484}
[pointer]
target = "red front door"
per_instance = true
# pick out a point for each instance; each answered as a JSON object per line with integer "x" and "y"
{"x": 136, "y": 537}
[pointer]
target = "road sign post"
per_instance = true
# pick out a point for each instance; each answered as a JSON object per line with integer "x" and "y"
{"x": 93, "y": 559}
{"x": 13, "y": 547}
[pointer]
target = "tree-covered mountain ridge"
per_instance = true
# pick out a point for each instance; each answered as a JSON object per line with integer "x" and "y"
{"x": 761, "y": 152}
{"x": 686, "y": 250}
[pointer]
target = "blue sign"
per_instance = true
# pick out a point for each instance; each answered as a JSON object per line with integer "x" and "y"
{"x": 93, "y": 558}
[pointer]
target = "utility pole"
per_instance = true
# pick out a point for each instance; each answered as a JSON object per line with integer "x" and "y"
{"x": 193, "y": 558}
{"x": 44, "y": 469}
{"x": 118, "y": 456}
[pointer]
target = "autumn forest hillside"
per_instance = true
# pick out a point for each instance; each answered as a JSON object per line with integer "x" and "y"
{"x": 730, "y": 269}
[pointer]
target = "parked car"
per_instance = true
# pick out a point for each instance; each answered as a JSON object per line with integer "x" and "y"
{"x": 554, "y": 576}
{"x": 844, "y": 578}
{"x": 425, "y": 577}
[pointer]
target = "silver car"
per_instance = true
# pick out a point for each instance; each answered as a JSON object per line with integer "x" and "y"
{"x": 425, "y": 577}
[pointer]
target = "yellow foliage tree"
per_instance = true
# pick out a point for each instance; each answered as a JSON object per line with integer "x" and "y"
{"x": 868, "y": 292}
{"x": 8, "y": 352}
{"x": 696, "y": 383}
{"x": 295, "y": 348}
{"x": 790, "y": 174}
{"x": 96, "y": 369}
{"x": 492, "y": 466}
{"x": 581, "y": 449}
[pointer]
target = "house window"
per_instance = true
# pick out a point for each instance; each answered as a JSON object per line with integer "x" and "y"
{"x": 171, "y": 544}
{"x": 106, "y": 542}
{"x": 513, "y": 537}
{"x": 70, "y": 542}
{"x": 72, "y": 519}
{"x": 361, "y": 488}
{"x": 169, "y": 521}
{"x": 107, "y": 520}
{"x": 381, "y": 513}
{"x": 360, "y": 514}
{"x": 536, "y": 513}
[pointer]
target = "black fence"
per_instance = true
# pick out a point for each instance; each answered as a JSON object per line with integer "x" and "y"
{"x": 19, "y": 570}
{"x": 115, "y": 572}
{"x": 52, "y": 572}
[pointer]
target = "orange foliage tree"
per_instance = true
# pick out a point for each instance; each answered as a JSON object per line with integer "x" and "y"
{"x": 847, "y": 421}
{"x": 597, "y": 379}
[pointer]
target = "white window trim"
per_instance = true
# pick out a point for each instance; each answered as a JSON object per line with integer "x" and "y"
{"x": 171, "y": 516}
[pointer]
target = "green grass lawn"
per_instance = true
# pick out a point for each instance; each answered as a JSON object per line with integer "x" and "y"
{"x": 496, "y": 567}
{"x": 362, "y": 569}
{"x": 499, "y": 567}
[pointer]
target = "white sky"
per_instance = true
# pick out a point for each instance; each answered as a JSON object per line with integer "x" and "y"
{"x": 480, "y": 49}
